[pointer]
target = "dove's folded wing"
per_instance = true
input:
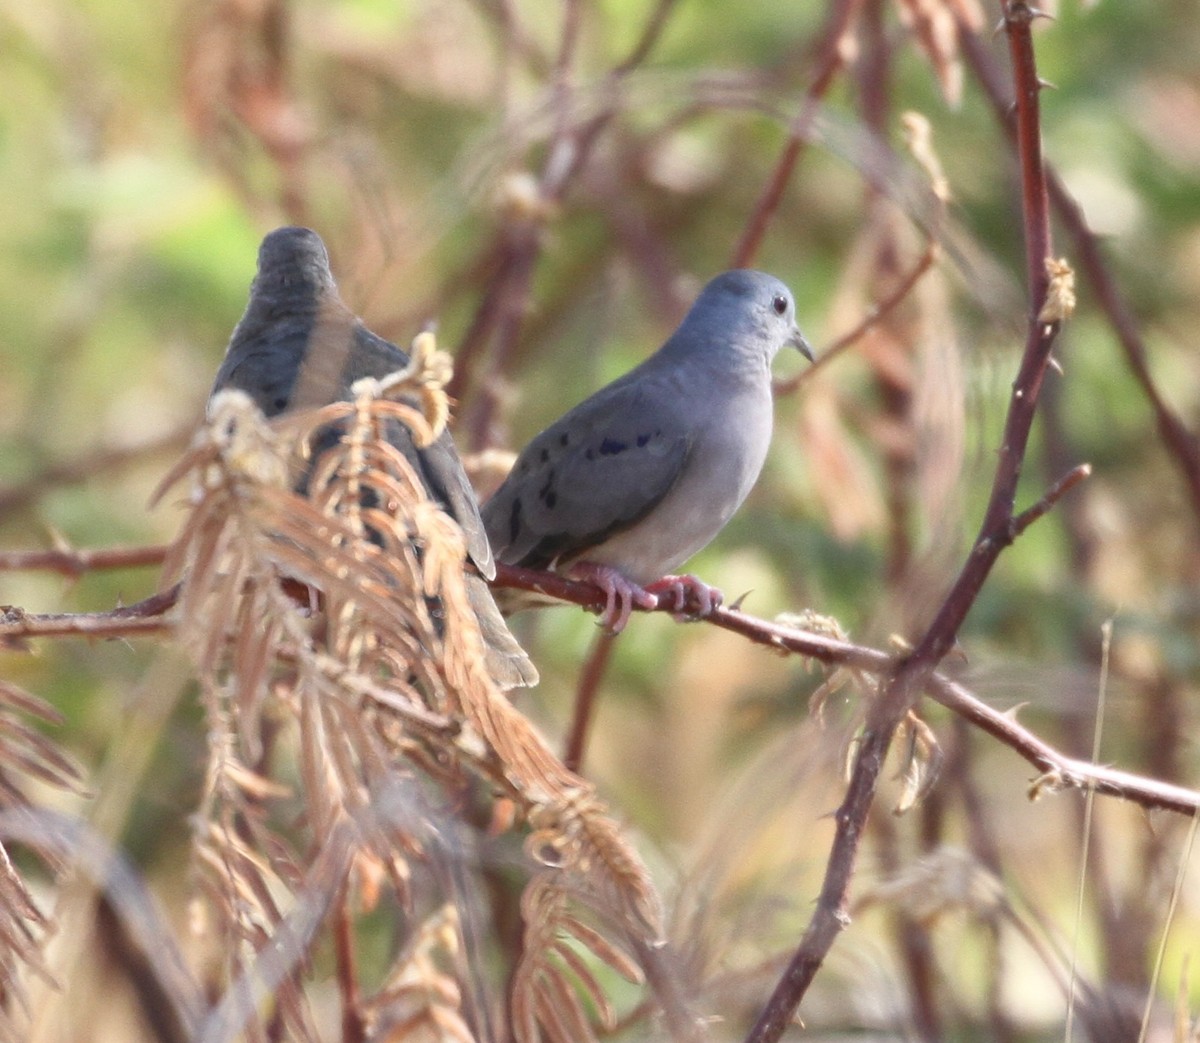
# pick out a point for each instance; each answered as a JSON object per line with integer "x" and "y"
{"x": 599, "y": 470}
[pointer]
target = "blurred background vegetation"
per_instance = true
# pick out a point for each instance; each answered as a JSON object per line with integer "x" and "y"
{"x": 144, "y": 151}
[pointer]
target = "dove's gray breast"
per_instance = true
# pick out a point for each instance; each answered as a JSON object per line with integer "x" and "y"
{"x": 729, "y": 439}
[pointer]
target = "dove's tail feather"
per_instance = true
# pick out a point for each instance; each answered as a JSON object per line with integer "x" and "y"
{"x": 506, "y": 660}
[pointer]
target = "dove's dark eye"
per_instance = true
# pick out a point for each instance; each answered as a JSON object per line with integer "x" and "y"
{"x": 779, "y": 303}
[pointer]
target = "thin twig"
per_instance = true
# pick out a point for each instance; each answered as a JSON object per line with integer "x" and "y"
{"x": 585, "y": 700}
{"x": 1055, "y": 493}
{"x": 831, "y": 57}
{"x": 147, "y": 616}
{"x": 73, "y": 563}
{"x": 985, "y": 848}
{"x": 873, "y": 317}
{"x": 86, "y": 468}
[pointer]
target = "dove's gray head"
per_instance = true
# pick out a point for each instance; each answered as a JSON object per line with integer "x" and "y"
{"x": 750, "y": 311}
{"x": 293, "y": 261}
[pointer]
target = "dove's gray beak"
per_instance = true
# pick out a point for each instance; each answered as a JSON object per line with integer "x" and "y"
{"x": 800, "y": 344}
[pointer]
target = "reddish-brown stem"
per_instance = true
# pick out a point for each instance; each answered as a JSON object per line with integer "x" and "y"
{"x": 1181, "y": 443}
{"x": 830, "y": 59}
{"x": 912, "y": 937}
{"x": 143, "y": 617}
{"x": 502, "y": 311}
{"x": 1058, "y": 770}
{"x": 353, "y": 1029}
{"x": 501, "y": 315}
{"x": 1120, "y": 920}
{"x": 1055, "y": 493}
{"x": 74, "y": 563}
{"x": 894, "y": 390}
{"x": 1056, "y": 767}
{"x": 585, "y": 701}
{"x": 913, "y": 673}
{"x": 1035, "y": 206}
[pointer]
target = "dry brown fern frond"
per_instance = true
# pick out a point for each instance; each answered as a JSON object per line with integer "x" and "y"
{"x": 934, "y": 25}
{"x": 420, "y": 1001}
{"x": 23, "y": 925}
{"x": 378, "y": 679}
{"x": 547, "y": 1001}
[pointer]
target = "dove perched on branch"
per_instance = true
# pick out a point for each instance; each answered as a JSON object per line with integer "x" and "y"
{"x": 299, "y": 346}
{"x": 633, "y": 481}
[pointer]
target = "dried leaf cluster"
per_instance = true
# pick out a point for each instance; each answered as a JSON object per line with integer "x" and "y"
{"x": 342, "y": 674}
{"x": 24, "y": 924}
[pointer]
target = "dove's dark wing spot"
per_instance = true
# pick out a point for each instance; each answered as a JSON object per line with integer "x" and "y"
{"x": 570, "y": 490}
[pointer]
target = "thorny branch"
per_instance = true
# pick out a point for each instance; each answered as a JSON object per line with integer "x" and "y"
{"x": 913, "y": 673}
{"x": 142, "y": 617}
{"x": 74, "y": 562}
{"x": 1181, "y": 443}
{"x": 1057, "y": 769}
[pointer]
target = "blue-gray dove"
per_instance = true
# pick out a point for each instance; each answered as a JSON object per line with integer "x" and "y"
{"x": 633, "y": 481}
{"x": 299, "y": 346}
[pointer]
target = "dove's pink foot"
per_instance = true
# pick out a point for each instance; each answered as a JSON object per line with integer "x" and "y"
{"x": 621, "y": 594}
{"x": 686, "y": 596}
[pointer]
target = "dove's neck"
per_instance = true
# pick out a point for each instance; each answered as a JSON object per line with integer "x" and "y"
{"x": 720, "y": 352}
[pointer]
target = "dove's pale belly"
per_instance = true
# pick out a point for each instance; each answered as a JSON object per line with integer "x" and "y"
{"x": 721, "y": 470}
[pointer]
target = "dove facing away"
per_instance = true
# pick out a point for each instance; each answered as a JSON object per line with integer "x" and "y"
{"x": 633, "y": 481}
{"x": 299, "y": 346}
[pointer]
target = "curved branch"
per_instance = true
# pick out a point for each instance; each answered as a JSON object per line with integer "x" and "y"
{"x": 151, "y": 616}
{"x": 1057, "y": 769}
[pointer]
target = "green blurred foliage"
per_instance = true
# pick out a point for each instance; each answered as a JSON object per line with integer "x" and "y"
{"x": 132, "y": 197}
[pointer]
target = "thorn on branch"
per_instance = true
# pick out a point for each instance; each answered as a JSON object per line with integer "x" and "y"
{"x": 1022, "y": 14}
{"x": 1056, "y": 492}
